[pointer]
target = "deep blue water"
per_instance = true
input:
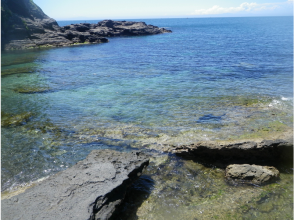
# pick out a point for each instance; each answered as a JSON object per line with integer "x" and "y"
{"x": 212, "y": 78}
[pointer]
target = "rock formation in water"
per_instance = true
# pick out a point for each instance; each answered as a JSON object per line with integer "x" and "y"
{"x": 24, "y": 25}
{"x": 263, "y": 152}
{"x": 92, "y": 189}
{"x": 85, "y": 32}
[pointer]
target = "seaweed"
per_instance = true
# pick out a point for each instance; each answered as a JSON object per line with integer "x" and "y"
{"x": 8, "y": 120}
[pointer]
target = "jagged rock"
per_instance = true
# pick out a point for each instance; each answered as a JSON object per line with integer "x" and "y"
{"x": 109, "y": 28}
{"x": 24, "y": 25}
{"x": 239, "y": 152}
{"x": 251, "y": 173}
{"x": 91, "y": 189}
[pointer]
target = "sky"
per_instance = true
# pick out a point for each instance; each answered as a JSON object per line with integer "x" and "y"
{"x": 136, "y": 9}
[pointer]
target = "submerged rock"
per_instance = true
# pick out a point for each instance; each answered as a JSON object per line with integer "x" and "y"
{"x": 91, "y": 189}
{"x": 32, "y": 90}
{"x": 24, "y": 25}
{"x": 251, "y": 173}
{"x": 14, "y": 120}
{"x": 10, "y": 71}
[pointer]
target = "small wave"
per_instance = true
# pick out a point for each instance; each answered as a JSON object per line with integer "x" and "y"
{"x": 286, "y": 99}
{"x": 280, "y": 102}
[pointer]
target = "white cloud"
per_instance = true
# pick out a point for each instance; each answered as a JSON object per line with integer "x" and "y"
{"x": 244, "y": 7}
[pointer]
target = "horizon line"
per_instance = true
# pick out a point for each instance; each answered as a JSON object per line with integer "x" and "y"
{"x": 75, "y": 19}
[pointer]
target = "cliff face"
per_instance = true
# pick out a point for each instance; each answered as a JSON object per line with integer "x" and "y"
{"x": 24, "y": 25}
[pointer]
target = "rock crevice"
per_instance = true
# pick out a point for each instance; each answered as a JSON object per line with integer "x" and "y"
{"x": 239, "y": 152}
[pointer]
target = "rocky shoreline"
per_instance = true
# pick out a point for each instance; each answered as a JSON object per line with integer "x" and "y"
{"x": 95, "y": 187}
{"x": 26, "y": 26}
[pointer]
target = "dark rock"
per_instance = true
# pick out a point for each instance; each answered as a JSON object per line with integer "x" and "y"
{"x": 109, "y": 28}
{"x": 82, "y": 28}
{"x": 106, "y": 23}
{"x": 239, "y": 152}
{"x": 24, "y": 25}
{"x": 251, "y": 173}
{"x": 91, "y": 189}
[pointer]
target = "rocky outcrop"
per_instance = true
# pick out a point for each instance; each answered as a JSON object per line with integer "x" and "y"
{"x": 91, "y": 189}
{"x": 24, "y": 25}
{"x": 251, "y": 173}
{"x": 85, "y": 32}
{"x": 239, "y": 152}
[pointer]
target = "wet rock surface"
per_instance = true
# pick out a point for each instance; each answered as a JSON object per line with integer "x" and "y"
{"x": 91, "y": 189}
{"x": 25, "y": 25}
{"x": 251, "y": 173}
{"x": 263, "y": 152}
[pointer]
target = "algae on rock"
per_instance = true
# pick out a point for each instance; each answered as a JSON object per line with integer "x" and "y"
{"x": 10, "y": 119}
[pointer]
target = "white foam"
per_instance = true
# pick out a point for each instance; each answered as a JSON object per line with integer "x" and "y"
{"x": 285, "y": 99}
{"x": 274, "y": 103}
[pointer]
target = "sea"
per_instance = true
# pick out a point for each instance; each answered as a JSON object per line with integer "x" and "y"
{"x": 211, "y": 79}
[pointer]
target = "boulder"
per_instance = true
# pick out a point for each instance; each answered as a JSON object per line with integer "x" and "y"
{"x": 251, "y": 173}
{"x": 91, "y": 189}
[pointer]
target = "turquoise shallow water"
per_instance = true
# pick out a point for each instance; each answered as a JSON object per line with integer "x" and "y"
{"x": 211, "y": 79}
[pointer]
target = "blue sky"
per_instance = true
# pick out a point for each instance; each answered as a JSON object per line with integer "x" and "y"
{"x": 128, "y": 9}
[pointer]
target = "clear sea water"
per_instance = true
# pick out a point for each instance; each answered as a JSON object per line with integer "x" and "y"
{"x": 211, "y": 79}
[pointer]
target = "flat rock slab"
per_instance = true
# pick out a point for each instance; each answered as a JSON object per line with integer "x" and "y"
{"x": 91, "y": 189}
{"x": 239, "y": 152}
{"x": 251, "y": 173}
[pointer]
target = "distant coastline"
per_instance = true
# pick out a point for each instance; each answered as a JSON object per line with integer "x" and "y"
{"x": 25, "y": 26}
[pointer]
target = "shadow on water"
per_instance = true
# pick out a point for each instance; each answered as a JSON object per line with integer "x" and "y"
{"x": 136, "y": 195}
